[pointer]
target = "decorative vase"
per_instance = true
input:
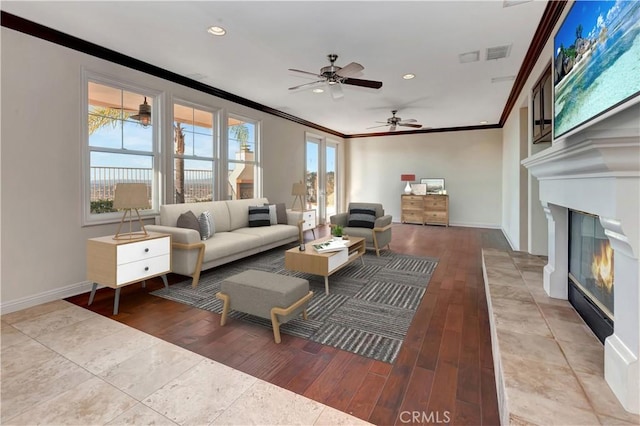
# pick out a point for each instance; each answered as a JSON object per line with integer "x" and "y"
{"x": 407, "y": 189}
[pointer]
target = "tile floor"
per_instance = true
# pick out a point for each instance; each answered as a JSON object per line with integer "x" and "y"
{"x": 62, "y": 364}
{"x": 552, "y": 365}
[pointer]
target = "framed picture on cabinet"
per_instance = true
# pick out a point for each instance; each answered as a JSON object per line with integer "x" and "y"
{"x": 419, "y": 189}
{"x": 434, "y": 185}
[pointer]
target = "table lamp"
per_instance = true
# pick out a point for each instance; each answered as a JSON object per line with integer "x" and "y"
{"x": 129, "y": 197}
{"x": 407, "y": 178}
{"x": 299, "y": 191}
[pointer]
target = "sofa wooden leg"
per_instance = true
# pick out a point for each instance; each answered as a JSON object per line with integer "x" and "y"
{"x": 225, "y": 307}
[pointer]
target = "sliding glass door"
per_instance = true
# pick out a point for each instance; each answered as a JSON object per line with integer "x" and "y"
{"x": 321, "y": 176}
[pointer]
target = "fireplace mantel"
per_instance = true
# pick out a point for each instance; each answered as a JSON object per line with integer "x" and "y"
{"x": 597, "y": 171}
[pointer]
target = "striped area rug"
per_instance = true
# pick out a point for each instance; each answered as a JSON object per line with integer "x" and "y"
{"x": 367, "y": 312}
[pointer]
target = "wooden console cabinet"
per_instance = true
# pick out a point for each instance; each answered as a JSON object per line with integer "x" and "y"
{"x": 425, "y": 209}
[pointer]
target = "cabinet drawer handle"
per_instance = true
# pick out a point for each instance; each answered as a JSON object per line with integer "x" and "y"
{"x": 146, "y": 268}
{"x": 146, "y": 250}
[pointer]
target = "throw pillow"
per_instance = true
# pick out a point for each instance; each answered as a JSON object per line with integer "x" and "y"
{"x": 207, "y": 228}
{"x": 362, "y": 218}
{"x": 188, "y": 220}
{"x": 281, "y": 213}
{"x": 273, "y": 218}
{"x": 259, "y": 216}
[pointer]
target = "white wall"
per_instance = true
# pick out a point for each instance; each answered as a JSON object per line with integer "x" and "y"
{"x": 512, "y": 220}
{"x": 469, "y": 161}
{"x": 42, "y": 241}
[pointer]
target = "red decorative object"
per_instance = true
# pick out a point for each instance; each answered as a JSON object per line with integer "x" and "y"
{"x": 407, "y": 178}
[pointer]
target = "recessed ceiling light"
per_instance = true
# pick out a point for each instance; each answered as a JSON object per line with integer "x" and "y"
{"x": 409, "y": 76}
{"x": 216, "y": 31}
{"x": 484, "y": 122}
{"x": 318, "y": 90}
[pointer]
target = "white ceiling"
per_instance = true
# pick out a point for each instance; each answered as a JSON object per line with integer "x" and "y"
{"x": 265, "y": 38}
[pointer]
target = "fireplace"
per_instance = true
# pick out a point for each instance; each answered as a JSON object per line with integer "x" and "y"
{"x": 597, "y": 170}
{"x": 591, "y": 273}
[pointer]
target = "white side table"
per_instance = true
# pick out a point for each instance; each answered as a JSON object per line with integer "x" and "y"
{"x": 117, "y": 263}
{"x": 309, "y": 217}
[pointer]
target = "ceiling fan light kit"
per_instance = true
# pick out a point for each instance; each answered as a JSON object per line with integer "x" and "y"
{"x": 394, "y": 121}
{"x": 335, "y": 76}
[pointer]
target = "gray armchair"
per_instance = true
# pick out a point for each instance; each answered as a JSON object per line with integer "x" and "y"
{"x": 378, "y": 237}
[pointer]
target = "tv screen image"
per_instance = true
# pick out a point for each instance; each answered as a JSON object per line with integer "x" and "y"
{"x": 596, "y": 61}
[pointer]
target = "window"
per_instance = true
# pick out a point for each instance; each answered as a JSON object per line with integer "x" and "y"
{"x": 243, "y": 164}
{"x": 194, "y": 154}
{"x": 119, "y": 147}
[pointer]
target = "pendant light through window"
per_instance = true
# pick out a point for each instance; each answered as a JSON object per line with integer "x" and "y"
{"x": 144, "y": 114}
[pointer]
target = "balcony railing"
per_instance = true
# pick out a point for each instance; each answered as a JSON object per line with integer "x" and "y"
{"x": 198, "y": 184}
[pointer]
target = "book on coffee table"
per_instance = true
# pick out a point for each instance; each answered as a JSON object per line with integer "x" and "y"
{"x": 329, "y": 246}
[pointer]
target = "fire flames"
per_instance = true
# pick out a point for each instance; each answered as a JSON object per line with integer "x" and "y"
{"x": 602, "y": 266}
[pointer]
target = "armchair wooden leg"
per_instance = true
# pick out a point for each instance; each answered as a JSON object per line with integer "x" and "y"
{"x": 375, "y": 244}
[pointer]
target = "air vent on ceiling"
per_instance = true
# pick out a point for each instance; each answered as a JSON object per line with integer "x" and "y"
{"x": 509, "y": 3}
{"x": 469, "y": 57}
{"x": 498, "y": 52}
{"x": 501, "y": 79}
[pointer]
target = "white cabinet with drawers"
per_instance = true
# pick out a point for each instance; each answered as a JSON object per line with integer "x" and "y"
{"x": 117, "y": 263}
{"x": 309, "y": 217}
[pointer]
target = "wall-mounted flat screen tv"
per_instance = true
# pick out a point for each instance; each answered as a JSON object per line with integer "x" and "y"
{"x": 596, "y": 61}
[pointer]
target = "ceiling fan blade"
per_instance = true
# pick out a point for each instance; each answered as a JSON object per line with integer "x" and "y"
{"x": 336, "y": 90}
{"x": 363, "y": 83}
{"x": 350, "y": 69}
{"x": 409, "y": 120}
{"x": 305, "y": 72}
{"x": 375, "y": 127}
{"x": 415, "y": 126}
{"x": 306, "y": 84}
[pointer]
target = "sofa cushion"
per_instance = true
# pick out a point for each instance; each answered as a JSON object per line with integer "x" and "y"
{"x": 281, "y": 213}
{"x": 270, "y": 234}
{"x": 238, "y": 217}
{"x": 188, "y": 220}
{"x": 207, "y": 226}
{"x": 259, "y": 216}
{"x": 225, "y": 244}
{"x": 362, "y": 218}
{"x": 169, "y": 213}
{"x": 273, "y": 215}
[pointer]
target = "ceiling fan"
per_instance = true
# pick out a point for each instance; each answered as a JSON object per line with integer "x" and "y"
{"x": 394, "y": 121}
{"x": 335, "y": 76}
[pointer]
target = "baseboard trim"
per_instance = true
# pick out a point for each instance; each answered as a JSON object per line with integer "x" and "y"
{"x": 475, "y": 225}
{"x": 47, "y": 296}
{"x": 460, "y": 224}
{"x": 506, "y": 236}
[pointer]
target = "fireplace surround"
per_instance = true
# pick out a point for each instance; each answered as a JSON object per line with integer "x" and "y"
{"x": 597, "y": 171}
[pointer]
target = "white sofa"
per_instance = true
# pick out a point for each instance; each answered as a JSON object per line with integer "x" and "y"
{"x": 233, "y": 238}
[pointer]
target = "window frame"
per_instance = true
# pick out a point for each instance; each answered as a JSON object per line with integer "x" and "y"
{"x": 257, "y": 158}
{"x": 157, "y": 97}
{"x": 216, "y": 159}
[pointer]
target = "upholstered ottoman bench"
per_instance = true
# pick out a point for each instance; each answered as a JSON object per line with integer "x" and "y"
{"x": 266, "y": 295}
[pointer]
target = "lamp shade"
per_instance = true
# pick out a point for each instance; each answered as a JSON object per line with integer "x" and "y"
{"x": 299, "y": 189}
{"x": 407, "y": 178}
{"x": 131, "y": 196}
